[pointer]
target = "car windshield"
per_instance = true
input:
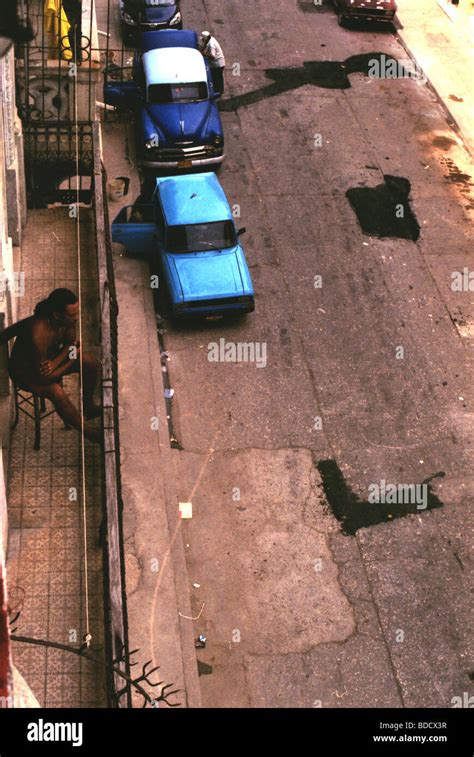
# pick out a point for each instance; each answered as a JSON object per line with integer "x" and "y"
{"x": 177, "y": 93}
{"x": 201, "y": 236}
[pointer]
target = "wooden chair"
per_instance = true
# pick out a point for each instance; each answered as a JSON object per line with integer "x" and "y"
{"x": 34, "y": 407}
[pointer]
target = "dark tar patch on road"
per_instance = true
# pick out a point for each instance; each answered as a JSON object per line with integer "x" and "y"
{"x": 384, "y": 210}
{"x": 326, "y": 74}
{"x": 354, "y": 513}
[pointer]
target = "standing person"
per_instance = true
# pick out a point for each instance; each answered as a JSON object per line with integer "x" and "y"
{"x": 73, "y": 9}
{"x": 210, "y": 47}
{"x": 43, "y": 354}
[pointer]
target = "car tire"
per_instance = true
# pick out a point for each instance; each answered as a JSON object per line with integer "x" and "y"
{"x": 341, "y": 20}
{"x": 240, "y": 318}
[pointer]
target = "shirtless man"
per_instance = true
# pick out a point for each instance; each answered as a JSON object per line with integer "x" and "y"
{"x": 45, "y": 350}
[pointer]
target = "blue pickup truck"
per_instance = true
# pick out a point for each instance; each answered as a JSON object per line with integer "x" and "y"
{"x": 190, "y": 229}
{"x": 174, "y": 102}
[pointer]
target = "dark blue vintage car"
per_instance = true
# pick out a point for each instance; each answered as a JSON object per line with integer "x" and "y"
{"x": 365, "y": 10}
{"x": 148, "y": 15}
{"x": 174, "y": 102}
{"x": 189, "y": 228}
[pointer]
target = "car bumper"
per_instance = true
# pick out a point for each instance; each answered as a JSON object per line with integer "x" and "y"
{"x": 190, "y": 162}
{"x": 368, "y": 16}
{"x": 214, "y": 311}
{"x": 132, "y": 34}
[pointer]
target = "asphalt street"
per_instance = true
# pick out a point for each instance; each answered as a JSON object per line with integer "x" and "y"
{"x": 368, "y": 369}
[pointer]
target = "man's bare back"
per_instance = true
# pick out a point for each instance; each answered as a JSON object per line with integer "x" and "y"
{"x": 46, "y": 349}
{"x": 39, "y": 343}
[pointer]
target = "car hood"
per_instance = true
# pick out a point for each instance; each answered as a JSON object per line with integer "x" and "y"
{"x": 215, "y": 273}
{"x": 155, "y": 14}
{"x": 181, "y": 122}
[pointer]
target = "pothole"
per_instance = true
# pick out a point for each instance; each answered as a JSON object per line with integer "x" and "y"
{"x": 354, "y": 513}
{"x": 384, "y": 210}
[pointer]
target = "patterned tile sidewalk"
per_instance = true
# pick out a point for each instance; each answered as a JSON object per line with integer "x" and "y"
{"x": 45, "y": 559}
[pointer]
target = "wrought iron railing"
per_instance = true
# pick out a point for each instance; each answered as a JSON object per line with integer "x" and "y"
{"x": 114, "y": 568}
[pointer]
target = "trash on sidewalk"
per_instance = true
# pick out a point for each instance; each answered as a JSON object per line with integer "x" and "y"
{"x": 191, "y": 617}
{"x": 169, "y": 393}
{"x": 185, "y": 509}
{"x": 197, "y": 586}
{"x": 165, "y": 355}
{"x": 200, "y": 641}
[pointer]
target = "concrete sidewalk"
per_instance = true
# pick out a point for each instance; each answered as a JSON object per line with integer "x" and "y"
{"x": 443, "y": 50}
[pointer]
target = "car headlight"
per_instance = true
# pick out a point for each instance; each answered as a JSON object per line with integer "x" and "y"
{"x": 151, "y": 143}
{"x": 217, "y": 140}
{"x": 129, "y": 20}
{"x": 176, "y": 19}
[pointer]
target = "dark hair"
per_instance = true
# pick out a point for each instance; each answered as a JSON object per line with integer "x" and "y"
{"x": 56, "y": 302}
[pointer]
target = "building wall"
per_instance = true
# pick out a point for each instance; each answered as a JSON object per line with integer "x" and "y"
{"x": 14, "y": 169}
{"x": 12, "y": 204}
{"x": 12, "y": 218}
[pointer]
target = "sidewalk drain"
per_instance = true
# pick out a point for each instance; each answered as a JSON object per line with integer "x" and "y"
{"x": 167, "y": 389}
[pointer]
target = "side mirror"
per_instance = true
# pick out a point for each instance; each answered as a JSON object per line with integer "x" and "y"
{"x": 241, "y": 231}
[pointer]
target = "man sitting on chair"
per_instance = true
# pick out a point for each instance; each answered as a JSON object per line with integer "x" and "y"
{"x": 45, "y": 350}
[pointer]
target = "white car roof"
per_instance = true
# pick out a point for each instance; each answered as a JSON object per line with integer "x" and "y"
{"x": 174, "y": 65}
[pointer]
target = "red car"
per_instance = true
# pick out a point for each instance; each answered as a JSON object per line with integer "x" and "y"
{"x": 365, "y": 10}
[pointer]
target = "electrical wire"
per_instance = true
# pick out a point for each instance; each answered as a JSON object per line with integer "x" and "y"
{"x": 87, "y": 636}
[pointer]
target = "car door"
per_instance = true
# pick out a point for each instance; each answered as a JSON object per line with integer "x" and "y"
{"x": 163, "y": 268}
{"x": 135, "y": 228}
{"x": 124, "y": 95}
